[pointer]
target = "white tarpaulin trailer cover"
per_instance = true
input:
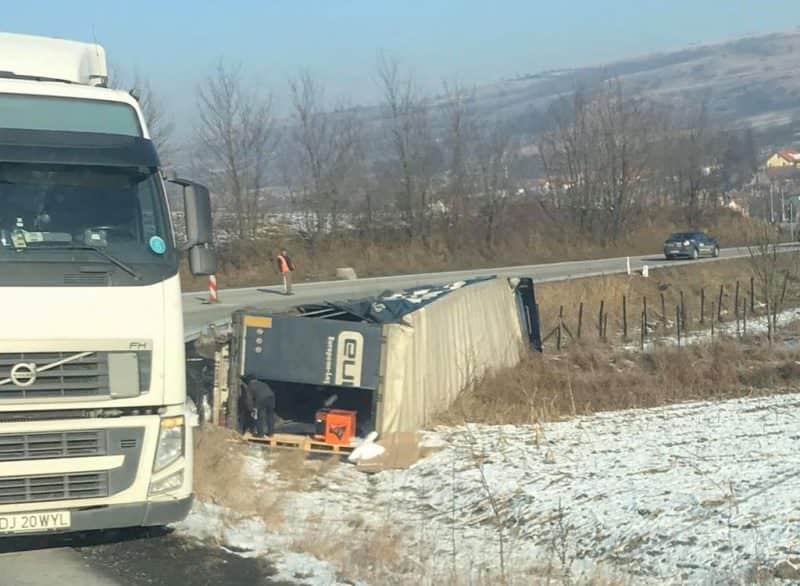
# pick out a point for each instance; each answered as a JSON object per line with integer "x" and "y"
{"x": 396, "y": 359}
{"x": 446, "y": 346}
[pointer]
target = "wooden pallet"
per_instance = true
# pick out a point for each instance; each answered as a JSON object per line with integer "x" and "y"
{"x": 286, "y": 441}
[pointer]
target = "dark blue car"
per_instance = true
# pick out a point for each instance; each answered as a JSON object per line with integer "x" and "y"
{"x": 690, "y": 245}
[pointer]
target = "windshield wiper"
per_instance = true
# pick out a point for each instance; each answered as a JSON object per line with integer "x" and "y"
{"x": 109, "y": 257}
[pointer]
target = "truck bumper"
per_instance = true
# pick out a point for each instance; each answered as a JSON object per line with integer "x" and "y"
{"x": 121, "y": 516}
{"x": 134, "y": 515}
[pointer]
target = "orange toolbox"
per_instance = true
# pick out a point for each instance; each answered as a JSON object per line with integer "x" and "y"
{"x": 335, "y": 426}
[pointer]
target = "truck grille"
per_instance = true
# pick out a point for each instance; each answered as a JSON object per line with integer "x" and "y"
{"x": 55, "y": 487}
{"x": 83, "y": 377}
{"x": 41, "y": 446}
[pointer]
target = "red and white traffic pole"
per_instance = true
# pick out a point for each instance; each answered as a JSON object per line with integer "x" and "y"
{"x": 212, "y": 289}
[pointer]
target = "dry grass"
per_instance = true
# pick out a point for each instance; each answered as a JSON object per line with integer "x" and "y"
{"x": 686, "y": 278}
{"x": 362, "y": 553}
{"x": 590, "y": 378}
{"x": 220, "y": 478}
{"x": 295, "y": 470}
{"x": 252, "y": 262}
{"x": 218, "y": 458}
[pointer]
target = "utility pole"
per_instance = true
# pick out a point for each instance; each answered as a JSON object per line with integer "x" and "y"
{"x": 771, "y": 206}
{"x": 783, "y": 203}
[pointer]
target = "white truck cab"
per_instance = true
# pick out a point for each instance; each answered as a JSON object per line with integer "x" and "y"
{"x": 93, "y": 419}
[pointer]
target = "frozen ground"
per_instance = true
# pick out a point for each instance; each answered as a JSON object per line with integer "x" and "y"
{"x": 703, "y": 493}
{"x": 249, "y": 537}
{"x": 755, "y": 326}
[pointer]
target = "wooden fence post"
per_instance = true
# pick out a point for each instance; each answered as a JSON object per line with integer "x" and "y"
{"x": 600, "y": 319}
{"x": 663, "y": 310}
{"x": 738, "y": 323}
{"x": 712, "y": 321}
{"x": 744, "y": 316}
{"x": 580, "y": 319}
{"x": 752, "y": 295}
{"x": 560, "y": 327}
{"x": 678, "y": 323}
{"x": 644, "y": 310}
{"x": 644, "y": 329}
{"x": 624, "y": 318}
{"x": 605, "y": 326}
{"x": 769, "y": 321}
{"x": 702, "y": 305}
{"x": 683, "y": 312}
{"x": 719, "y": 303}
{"x": 736, "y": 298}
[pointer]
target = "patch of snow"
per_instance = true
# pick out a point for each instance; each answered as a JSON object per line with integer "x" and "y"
{"x": 700, "y": 493}
{"x": 249, "y": 537}
{"x": 755, "y": 325}
{"x": 431, "y": 440}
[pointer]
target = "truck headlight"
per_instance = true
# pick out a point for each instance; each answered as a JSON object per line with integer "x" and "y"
{"x": 170, "y": 442}
{"x": 170, "y": 483}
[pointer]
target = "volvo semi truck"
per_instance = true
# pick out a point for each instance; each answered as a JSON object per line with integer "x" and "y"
{"x": 94, "y": 422}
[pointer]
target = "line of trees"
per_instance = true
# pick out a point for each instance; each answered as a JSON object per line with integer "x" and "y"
{"x": 443, "y": 170}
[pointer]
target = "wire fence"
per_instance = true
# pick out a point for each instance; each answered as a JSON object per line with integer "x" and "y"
{"x": 734, "y": 303}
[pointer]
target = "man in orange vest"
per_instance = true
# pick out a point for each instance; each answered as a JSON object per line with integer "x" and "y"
{"x": 285, "y": 267}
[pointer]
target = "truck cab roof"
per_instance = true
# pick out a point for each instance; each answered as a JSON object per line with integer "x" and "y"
{"x": 43, "y": 58}
{"x": 41, "y": 66}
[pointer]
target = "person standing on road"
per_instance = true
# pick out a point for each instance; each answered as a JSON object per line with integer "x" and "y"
{"x": 285, "y": 267}
{"x": 261, "y": 399}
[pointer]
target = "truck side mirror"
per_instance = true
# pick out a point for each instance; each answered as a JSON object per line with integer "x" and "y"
{"x": 199, "y": 227}
{"x": 197, "y": 204}
{"x": 202, "y": 261}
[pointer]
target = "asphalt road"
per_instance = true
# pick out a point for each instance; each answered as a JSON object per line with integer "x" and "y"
{"x": 126, "y": 558}
{"x": 198, "y": 313}
{"x": 131, "y": 558}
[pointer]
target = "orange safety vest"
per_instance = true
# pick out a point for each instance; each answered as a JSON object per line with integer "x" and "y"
{"x": 284, "y": 266}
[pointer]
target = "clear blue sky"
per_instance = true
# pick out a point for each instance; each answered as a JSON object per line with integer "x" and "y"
{"x": 176, "y": 42}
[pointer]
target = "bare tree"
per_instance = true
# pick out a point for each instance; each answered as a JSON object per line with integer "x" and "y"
{"x": 773, "y": 270}
{"x": 626, "y": 129}
{"x": 494, "y": 157}
{"x": 460, "y": 172}
{"x": 325, "y": 147}
{"x": 691, "y": 160}
{"x": 236, "y": 134}
{"x": 408, "y": 130}
{"x": 597, "y": 156}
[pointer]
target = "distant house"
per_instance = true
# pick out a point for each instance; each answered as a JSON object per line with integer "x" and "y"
{"x": 784, "y": 158}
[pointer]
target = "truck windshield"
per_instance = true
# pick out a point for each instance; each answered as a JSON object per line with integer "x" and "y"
{"x": 67, "y": 114}
{"x": 56, "y": 214}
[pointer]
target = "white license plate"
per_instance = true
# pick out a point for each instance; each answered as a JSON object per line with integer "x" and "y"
{"x": 31, "y": 522}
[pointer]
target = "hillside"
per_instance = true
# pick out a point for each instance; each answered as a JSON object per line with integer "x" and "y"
{"x": 751, "y": 81}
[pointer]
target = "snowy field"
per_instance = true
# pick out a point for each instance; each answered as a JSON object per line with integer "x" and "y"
{"x": 701, "y": 493}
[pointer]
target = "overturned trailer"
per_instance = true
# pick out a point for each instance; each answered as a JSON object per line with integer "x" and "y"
{"x": 395, "y": 360}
